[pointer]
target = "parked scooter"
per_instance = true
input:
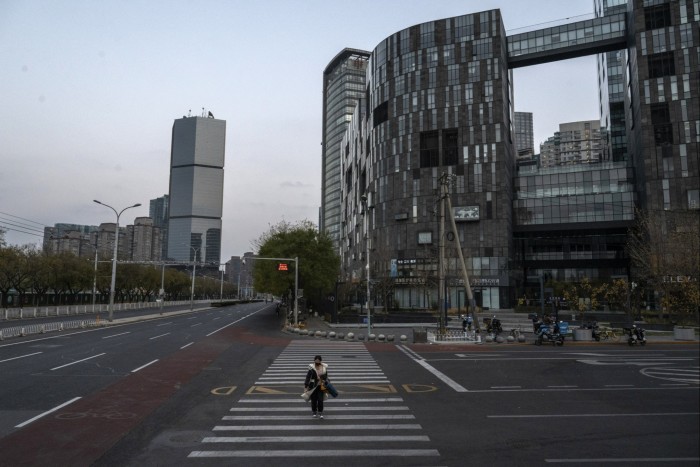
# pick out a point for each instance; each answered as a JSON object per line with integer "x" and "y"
{"x": 545, "y": 333}
{"x": 635, "y": 335}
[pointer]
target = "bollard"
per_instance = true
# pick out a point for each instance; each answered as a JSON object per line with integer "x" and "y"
{"x": 351, "y": 336}
{"x": 22, "y": 333}
{"x": 381, "y": 337}
{"x": 331, "y": 335}
{"x": 390, "y": 338}
{"x": 403, "y": 338}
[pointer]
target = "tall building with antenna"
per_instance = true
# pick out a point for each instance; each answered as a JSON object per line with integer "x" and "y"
{"x": 196, "y": 188}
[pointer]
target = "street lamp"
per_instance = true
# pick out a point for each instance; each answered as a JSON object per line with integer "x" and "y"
{"x": 365, "y": 212}
{"x": 194, "y": 269}
{"x": 114, "y": 257}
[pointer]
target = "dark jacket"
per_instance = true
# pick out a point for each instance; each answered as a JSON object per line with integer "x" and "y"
{"x": 312, "y": 377}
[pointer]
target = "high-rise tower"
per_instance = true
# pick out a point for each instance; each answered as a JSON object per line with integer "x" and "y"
{"x": 196, "y": 189}
{"x": 343, "y": 85}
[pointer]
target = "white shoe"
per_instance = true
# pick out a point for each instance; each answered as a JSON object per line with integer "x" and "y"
{"x": 321, "y": 417}
{"x": 314, "y": 415}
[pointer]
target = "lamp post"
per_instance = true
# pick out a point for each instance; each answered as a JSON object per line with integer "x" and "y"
{"x": 365, "y": 212}
{"x": 194, "y": 269}
{"x": 114, "y": 257}
{"x": 221, "y": 291}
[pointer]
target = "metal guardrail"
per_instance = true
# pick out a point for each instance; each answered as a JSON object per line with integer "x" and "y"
{"x": 75, "y": 310}
{"x": 41, "y": 328}
{"x": 452, "y": 335}
{"x": 10, "y": 314}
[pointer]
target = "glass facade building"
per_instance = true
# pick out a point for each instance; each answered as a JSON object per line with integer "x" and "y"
{"x": 439, "y": 102}
{"x": 343, "y": 86}
{"x": 196, "y": 189}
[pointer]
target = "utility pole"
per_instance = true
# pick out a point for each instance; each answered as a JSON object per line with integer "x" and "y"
{"x": 465, "y": 275}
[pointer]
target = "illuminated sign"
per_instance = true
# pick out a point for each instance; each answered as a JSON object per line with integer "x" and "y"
{"x": 282, "y": 267}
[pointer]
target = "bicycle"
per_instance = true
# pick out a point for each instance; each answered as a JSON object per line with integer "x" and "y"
{"x": 609, "y": 334}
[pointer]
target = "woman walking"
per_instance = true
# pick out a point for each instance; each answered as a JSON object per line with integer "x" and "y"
{"x": 317, "y": 374}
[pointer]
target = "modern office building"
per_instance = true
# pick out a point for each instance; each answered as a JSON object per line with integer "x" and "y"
{"x": 611, "y": 87}
{"x": 196, "y": 189}
{"x": 158, "y": 211}
{"x": 343, "y": 85}
{"x": 524, "y": 135}
{"x": 439, "y": 102}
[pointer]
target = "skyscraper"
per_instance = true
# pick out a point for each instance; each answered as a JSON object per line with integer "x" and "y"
{"x": 158, "y": 211}
{"x": 524, "y": 135}
{"x": 343, "y": 86}
{"x": 196, "y": 189}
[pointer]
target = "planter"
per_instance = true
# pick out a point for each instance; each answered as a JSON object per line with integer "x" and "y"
{"x": 683, "y": 334}
{"x": 583, "y": 334}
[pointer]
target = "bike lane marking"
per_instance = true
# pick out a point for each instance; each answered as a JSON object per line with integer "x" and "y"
{"x": 60, "y": 440}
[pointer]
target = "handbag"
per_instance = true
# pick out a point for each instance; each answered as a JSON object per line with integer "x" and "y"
{"x": 306, "y": 395}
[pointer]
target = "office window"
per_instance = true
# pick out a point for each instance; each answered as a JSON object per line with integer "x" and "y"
{"x": 449, "y": 147}
{"x": 657, "y": 16}
{"x": 429, "y": 149}
{"x": 661, "y": 64}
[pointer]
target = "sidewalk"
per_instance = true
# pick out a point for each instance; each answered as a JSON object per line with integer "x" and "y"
{"x": 315, "y": 323}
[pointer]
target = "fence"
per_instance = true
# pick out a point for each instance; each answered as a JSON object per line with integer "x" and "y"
{"x": 72, "y": 310}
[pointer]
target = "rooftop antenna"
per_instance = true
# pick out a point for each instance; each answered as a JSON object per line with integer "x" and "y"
{"x": 189, "y": 113}
{"x": 204, "y": 114}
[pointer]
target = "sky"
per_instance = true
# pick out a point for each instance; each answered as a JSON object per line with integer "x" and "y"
{"x": 90, "y": 90}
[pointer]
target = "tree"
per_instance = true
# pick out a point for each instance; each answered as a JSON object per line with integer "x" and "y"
{"x": 664, "y": 249}
{"x": 584, "y": 296}
{"x": 318, "y": 263}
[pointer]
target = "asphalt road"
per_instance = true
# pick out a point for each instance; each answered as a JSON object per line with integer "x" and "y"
{"x": 221, "y": 387}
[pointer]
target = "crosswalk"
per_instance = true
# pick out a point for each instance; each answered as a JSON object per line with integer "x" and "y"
{"x": 277, "y": 423}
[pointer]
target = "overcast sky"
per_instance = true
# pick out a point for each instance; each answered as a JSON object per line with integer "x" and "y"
{"x": 90, "y": 90}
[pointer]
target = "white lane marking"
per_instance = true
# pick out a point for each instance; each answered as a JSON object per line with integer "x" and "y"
{"x": 443, "y": 377}
{"x": 320, "y": 426}
{"x": 301, "y": 401}
{"x": 21, "y": 356}
{"x": 306, "y": 417}
{"x": 661, "y": 414}
{"x": 309, "y": 439}
{"x": 46, "y": 413}
{"x": 165, "y": 324}
{"x": 186, "y": 345}
{"x": 306, "y": 409}
{"x": 156, "y": 337}
{"x": 198, "y": 324}
{"x": 623, "y": 388}
{"x": 144, "y": 366}
{"x": 232, "y": 323}
{"x": 115, "y": 335}
{"x": 506, "y": 387}
{"x": 310, "y": 453}
{"x": 563, "y": 386}
{"x": 622, "y": 459}
{"x": 77, "y": 361}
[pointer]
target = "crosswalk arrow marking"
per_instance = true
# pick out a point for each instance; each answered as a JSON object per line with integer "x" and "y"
{"x": 224, "y": 391}
{"x": 264, "y": 390}
{"x": 419, "y": 388}
{"x": 385, "y": 389}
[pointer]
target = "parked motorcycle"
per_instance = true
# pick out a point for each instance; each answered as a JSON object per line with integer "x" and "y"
{"x": 494, "y": 326}
{"x": 545, "y": 333}
{"x": 635, "y": 335}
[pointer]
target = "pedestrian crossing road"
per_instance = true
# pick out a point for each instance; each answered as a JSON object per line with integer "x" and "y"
{"x": 272, "y": 421}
